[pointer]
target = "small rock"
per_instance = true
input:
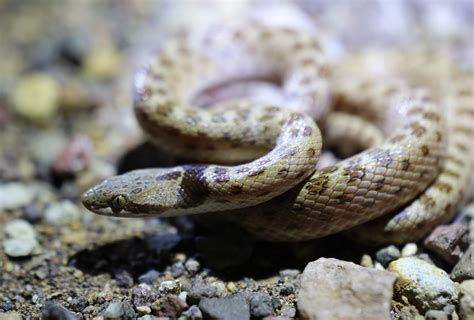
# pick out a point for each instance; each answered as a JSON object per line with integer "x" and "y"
{"x": 387, "y": 255}
{"x": 366, "y": 261}
{"x": 15, "y": 195}
{"x": 33, "y": 213}
{"x": 464, "y": 269}
{"x": 192, "y": 265}
{"x": 410, "y": 249}
{"x": 36, "y": 97}
{"x": 148, "y": 317}
{"x": 10, "y": 316}
{"x": 436, "y": 315}
{"x": 142, "y": 310}
{"x": 466, "y": 300}
{"x": 334, "y": 289}
{"x": 62, "y": 213}
{"x": 193, "y": 313}
{"x": 233, "y": 307}
{"x": 170, "y": 287}
{"x": 103, "y": 62}
{"x": 76, "y": 156}
{"x": 117, "y": 310}
{"x": 19, "y": 229}
{"x": 53, "y": 311}
{"x": 169, "y": 306}
{"x": 221, "y": 288}
{"x": 142, "y": 297}
{"x": 448, "y": 241}
{"x": 424, "y": 285}
{"x": 124, "y": 279}
{"x": 21, "y": 239}
{"x": 177, "y": 269}
{"x": 78, "y": 304}
{"x": 200, "y": 289}
{"x": 149, "y": 277}
{"x": 261, "y": 305}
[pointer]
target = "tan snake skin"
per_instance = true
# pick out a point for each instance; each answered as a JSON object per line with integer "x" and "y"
{"x": 373, "y": 183}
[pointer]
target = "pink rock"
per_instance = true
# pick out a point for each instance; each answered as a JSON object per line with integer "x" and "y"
{"x": 448, "y": 241}
{"x": 334, "y": 289}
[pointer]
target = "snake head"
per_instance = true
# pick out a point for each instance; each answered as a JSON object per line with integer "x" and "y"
{"x": 133, "y": 194}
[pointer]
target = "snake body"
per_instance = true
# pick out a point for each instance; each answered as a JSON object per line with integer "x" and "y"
{"x": 280, "y": 196}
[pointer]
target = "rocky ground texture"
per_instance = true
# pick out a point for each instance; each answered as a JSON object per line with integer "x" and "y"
{"x": 66, "y": 123}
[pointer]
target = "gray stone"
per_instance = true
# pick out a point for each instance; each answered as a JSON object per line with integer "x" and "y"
{"x": 233, "y": 307}
{"x": 436, "y": 315}
{"x": 193, "y": 313}
{"x": 448, "y": 242}
{"x": 149, "y": 277}
{"x": 15, "y": 195}
{"x": 387, "y": 255}
{"x": 464, "y": 269}
{"x": 261, "y": 305}
{"x": 334, "y": 289}
{"x": 192, "y": 265}
{"x": 62, "y": 213}
{"x": 52, "y": 311}
{"x": 114, "y": 310}
{"x": 424, "y": 285}
{"x": 21, "y": 239}
{"x": 466, "y": 300}
{"x": 200, "y": 289}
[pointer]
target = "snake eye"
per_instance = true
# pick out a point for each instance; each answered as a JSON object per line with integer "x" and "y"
{"x": 119, "y": 202}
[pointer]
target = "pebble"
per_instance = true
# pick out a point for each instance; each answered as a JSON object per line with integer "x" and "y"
{"x": 448, "y": 241}
{"x": 103, "y": 62}
{"x": 334, "y": 289}
{"x": 192, "y": 265}
{"x": 52, "y": 311}
{"x": 169, "y": 306}
{"x": 142, "y": 297}
{"x": 177, "y": 269}
{"x": 149, "y": 277}
{"x": 36, "y": 97}
{"x": 410, "y": 249}
{"x": 62, "y": 213}
{"x": 118, "y": 310}
{"x": 17, "y": 195}
{"x": 387, "y": 255}
{"x": 124, "y": 279}
{"x": 466, "y": 299}
{"x": 21, "y": 239}
{"x": 200, "y": 289}
{"x": 228, "y": 248}
{"x": 10, "y": 316}
{"x": 261, "y": 305}
{"x": 170, "y": 287}
{"x": 76, "y": 156}
{"x": 33, "y": 213}
{"x": 233, "y": 307}
{"x": 464, "y": 269}
{"x": 436, "y": 315}
{"x": 142, "y": 310}
{"x": 79, "y": 303}
{"x": 366, "y": 261}
{"x": 193, "y": 313}
{"x": 424, "y": 285}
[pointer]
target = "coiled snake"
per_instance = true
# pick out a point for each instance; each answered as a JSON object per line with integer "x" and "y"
{"x": 281, "y": 196}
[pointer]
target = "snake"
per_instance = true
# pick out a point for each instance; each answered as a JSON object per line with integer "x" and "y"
{"x": 278, "y": 193}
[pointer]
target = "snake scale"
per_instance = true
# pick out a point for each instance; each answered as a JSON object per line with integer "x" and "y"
{"x": 404, "y": 175}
